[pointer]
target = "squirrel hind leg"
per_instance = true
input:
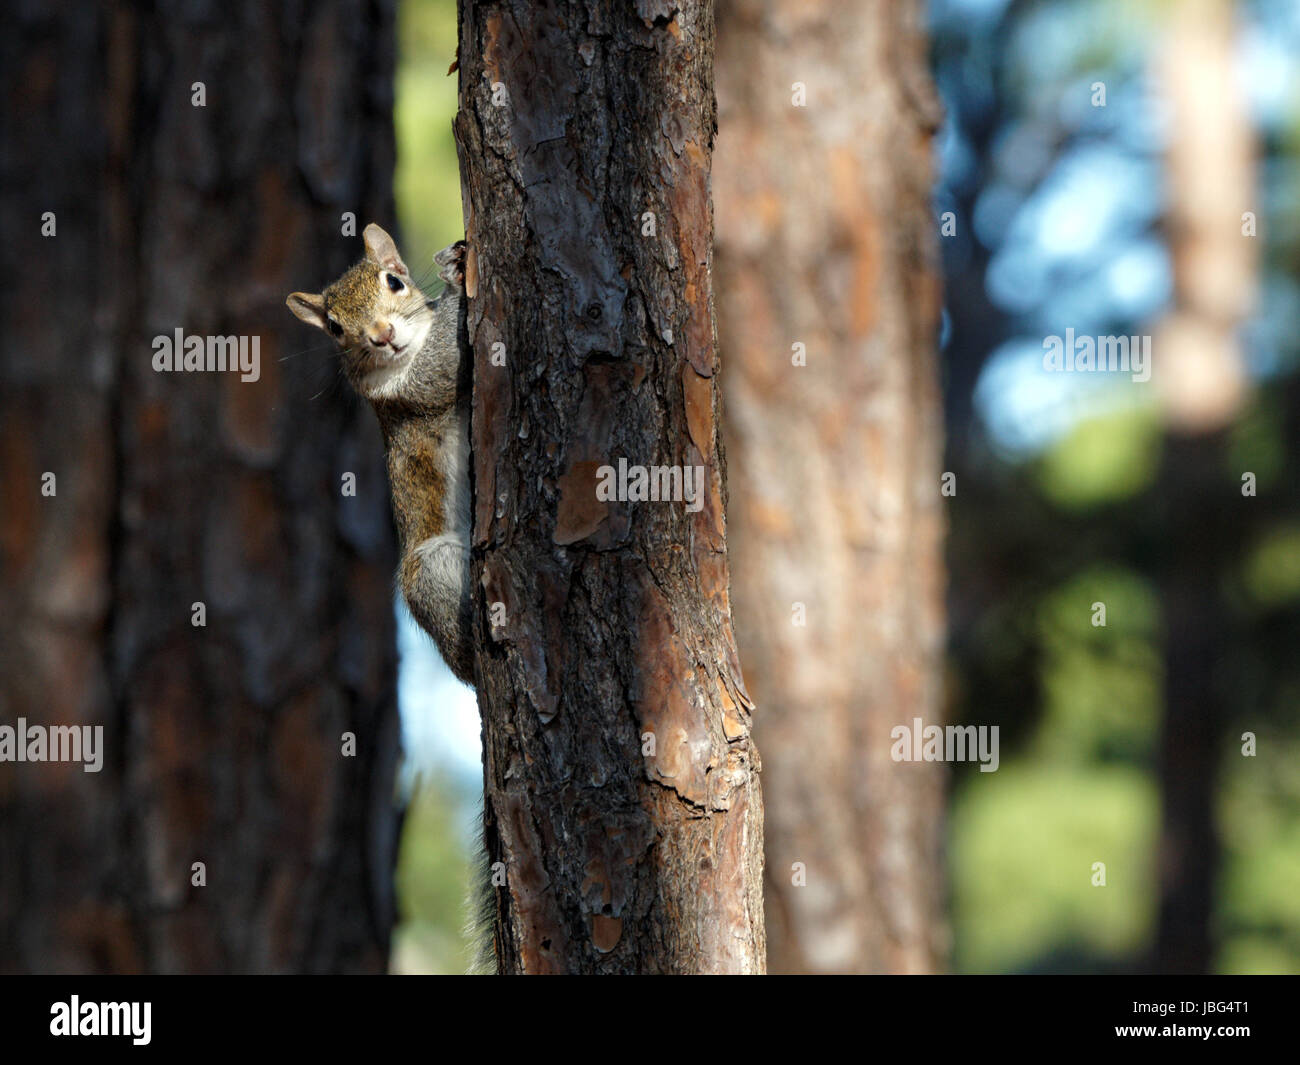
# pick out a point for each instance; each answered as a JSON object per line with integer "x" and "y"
{"x": 435, "y": 583}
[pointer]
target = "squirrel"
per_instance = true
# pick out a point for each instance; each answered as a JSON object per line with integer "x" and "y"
{"x": 406, "y": 354}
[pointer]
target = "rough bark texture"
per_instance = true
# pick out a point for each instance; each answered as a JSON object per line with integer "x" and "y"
{"x": 603, "y": 623}
{"x": 826, "y": 238}
{"x": 223, "y": 742}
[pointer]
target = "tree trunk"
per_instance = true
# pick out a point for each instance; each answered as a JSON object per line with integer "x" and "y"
{"x": 622, "y": 794}
{"x": 1200, "y": 376}
{"x": 1199, "y": 627}
{"x": 223, "y": 740}
{"x": 826, "y": 239}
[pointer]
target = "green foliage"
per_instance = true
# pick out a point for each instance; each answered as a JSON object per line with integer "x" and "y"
{"x": 1105, "y": 459}
{"x": 1102, "y": 684}
{"x": 1259, "y": 817}
{"x": 1024, "y": 839}
{"x": 1272, "y": 568}
{"x": 1255, "y": 445}
{"x": 427, "y": 183}
{"x": 1023, "y": 843}
{"x": 432, "y": 887}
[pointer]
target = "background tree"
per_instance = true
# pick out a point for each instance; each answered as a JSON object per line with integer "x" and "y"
{"x": 1202, "y": 384}
{"x": 1098, "y": 190}
{"x": 196, "y": 162}
{"x": 828, "y": 305}
{"x": 621, "y": 779}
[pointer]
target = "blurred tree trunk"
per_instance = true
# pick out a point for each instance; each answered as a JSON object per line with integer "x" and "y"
{"x": 585, "y": 138}
{"x": 1200, "y": 377}
{"x": 223, "y": 742}
{"x": 1198, "y": 624}
{"x": 826, "y": 239}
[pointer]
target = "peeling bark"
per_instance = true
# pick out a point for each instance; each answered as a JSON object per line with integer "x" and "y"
{"x": 585, "y": 135}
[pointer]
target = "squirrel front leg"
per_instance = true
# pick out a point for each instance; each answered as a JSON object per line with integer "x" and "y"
{"x": 451, "y": 264}
{"x": 435, "y": 582}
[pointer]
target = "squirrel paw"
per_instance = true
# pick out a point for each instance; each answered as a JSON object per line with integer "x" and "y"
{"x": 451, "y": 264}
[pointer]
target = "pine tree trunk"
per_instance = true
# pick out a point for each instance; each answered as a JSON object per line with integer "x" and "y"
{"x": 826, "y": 239}
{"x": 223, "y": 741}
{"x": 622, "y": 796}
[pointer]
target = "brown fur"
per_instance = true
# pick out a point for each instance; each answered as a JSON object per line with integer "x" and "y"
{"x": 416, "y": 477}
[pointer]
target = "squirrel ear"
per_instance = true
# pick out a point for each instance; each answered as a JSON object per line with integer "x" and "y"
{"x": 381, "y": 250}
{"x": 309, "y": 307}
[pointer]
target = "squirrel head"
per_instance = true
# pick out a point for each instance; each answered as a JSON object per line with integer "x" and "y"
{"x": 378, "y": 316}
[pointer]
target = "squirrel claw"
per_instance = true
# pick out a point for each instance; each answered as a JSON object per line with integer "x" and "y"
{"x": 451, "y": 264}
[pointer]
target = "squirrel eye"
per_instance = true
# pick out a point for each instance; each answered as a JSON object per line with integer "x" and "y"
{"x": 395, "y": 284}
{"x": 335, "y": 328}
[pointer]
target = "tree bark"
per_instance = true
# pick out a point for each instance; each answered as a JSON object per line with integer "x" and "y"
{"x": 826, "y": 239}
{"x": 621, "y": 780}
{"x": 223, "y": 741}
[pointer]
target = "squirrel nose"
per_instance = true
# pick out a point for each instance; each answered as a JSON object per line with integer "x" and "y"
{"x": 385, "y": 335}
